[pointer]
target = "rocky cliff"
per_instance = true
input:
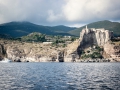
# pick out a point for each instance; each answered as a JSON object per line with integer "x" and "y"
{"x": 112, "y": 50}
{"x": 97, "y": 43}
{"x": 2, "y": 52}
{"x": 30, "y": 52}
{"x": 70, "y": 52}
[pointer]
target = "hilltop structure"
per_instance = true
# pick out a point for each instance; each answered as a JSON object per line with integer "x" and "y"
{"x": 92, "y": 36}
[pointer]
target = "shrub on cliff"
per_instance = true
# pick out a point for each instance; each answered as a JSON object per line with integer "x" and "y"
{"x": 98, "y": 48}
{"x": 94, "y": 53}
{"x": 37, "y": 37}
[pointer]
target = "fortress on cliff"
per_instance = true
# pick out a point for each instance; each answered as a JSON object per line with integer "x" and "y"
{"x": 94, "y": 36}
{"x": 90, "y": 37}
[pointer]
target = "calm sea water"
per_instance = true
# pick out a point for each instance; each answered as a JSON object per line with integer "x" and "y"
{"x": 59, "y": 76}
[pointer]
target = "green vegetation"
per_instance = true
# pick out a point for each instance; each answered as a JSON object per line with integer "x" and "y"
{"x": 94, "y": 53}
{"x": 117, "y": 39}
{"x": 19, "y": 29}
{"x": 98, "y": 49}
{"x": 56, "y": 40}
{"x": 108, "y": 25}
{"x": 63, "y": 40}
{"x": 36, "y": 37}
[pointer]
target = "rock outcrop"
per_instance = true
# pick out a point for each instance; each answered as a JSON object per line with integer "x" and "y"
{"x": 90, "y": 38}
{"x": 2, "y": 52}
{"x": 30, "y": 52}
{"x": 70, "y": 53}
{"x": 112, "y": 51}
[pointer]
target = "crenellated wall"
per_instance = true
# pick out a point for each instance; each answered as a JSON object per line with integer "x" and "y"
{"x": 92, "y": 36}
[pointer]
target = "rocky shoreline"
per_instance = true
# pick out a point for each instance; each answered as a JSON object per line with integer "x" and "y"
{"x": 98, "y": 60}
{"x": 78, "y": 61}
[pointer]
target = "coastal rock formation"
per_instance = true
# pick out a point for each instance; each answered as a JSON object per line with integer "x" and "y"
{"x": 2, "y": 52}
{"x": 112, "y": 51}
{"x": 90, "y": 38}
{"x": 30, "y": 52}
{"x": 41, "y": 52}
{"x": 70, "y": 53}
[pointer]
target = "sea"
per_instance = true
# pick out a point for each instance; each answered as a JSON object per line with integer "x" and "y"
{"x": 59, "y": 76}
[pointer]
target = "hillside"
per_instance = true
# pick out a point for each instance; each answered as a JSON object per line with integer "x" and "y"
{"x": 18, "y": 29}
{"x": 61, "y": 28}
{"x": 108, "y": 25}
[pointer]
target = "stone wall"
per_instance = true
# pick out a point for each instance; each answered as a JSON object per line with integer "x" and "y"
{"x": 92, "y": 36}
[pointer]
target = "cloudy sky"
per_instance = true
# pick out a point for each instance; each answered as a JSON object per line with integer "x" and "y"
{"x": 59, "y": 12}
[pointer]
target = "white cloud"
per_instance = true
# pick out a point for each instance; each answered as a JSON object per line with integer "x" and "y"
{"x": 85, "y": 10}
{"x": 20, "y": 10}
{"x": 76, "y": 25}
{"x": 53, "y": 17}
{"x": 54, "y": 12}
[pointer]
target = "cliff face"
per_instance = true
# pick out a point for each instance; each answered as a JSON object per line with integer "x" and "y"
{"x": 2, "y": 52}
{"x": 37, "y": 52}
{"x": 70, "y": 53}
{"x": 99, "y": 37}
{"x": 112, "y": 51}
{"x": 30, "y": 52}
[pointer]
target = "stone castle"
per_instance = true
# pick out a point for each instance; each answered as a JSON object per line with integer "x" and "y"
{"x": 101, "y": 37}
{"x": 94, "y": 36}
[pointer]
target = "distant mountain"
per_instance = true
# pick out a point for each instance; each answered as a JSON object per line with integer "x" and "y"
{"x": 18, "y": 29}
{"x": 62, "y": 28}
{"x": 5, "y": 36}
{"x": 108, "y": 25}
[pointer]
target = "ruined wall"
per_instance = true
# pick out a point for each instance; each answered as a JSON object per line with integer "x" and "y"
{"x": 92, "y": 36}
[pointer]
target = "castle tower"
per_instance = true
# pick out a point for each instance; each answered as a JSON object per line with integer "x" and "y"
{"x": 87, "y": 30}
{"x": 86, "y": 27}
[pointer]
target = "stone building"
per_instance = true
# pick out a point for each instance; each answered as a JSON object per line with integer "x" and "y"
{"x": 92, "y": 36}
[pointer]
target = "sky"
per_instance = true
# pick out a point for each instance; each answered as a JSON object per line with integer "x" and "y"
{"x": 74, "y": 13}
